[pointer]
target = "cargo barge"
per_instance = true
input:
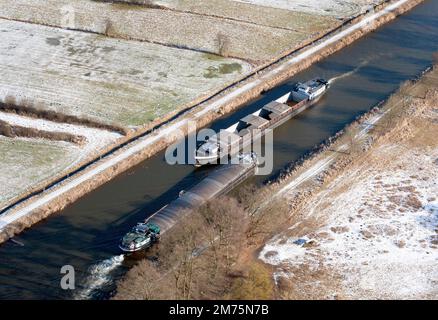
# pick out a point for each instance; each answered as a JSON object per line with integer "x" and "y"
{"x": 240, "y": 135}
{"x": 218, "y": 182}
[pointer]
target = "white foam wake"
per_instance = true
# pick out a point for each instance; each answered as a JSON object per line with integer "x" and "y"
{"x": 99, "y": 276}
{"x": 349, "y": 73}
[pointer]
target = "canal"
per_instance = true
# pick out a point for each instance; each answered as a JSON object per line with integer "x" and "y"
{"x": 85, "y": 234}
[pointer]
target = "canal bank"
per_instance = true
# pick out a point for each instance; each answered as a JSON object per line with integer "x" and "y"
{"x": 69, "y": 189}
{"x": 86, "y": 233}
{"x": 365, "y": 208}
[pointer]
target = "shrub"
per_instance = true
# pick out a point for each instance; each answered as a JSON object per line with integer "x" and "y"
{"x": 257, "y": 285}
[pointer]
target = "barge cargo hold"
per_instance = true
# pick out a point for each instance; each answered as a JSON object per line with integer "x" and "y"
{"x": 219, "y": 182}
{"x": 240, "y": 135}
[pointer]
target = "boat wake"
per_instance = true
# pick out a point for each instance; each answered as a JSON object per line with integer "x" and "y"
{"x": 99, "y": 276}
{"x": 349, "y": 73}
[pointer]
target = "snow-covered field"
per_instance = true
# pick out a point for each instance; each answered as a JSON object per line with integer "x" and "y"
{"x": 380, "y": 234}
{"x": 270, "y": 16}
{"x": 337, "y": 8}
{"x": 372, "y": 232}
{"x": 113, "y": 81}
{"x": 27, "y": 162}
{"x": 178, "y": 29}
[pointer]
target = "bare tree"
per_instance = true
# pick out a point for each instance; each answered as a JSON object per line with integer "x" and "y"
{"x": 227, "y": 223}
{"x": 10, "y": 100}
{"x": 108, "y": 28}
{"x": 141, "y": 282}
{"x": 351, "y": 142}
{"x": 265, "y": 221}
{"x": 223, "y": 44}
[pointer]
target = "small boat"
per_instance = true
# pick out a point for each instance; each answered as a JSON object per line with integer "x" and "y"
{"x": 142, "y": 236}
{"x": 233, "y": 139}
{"x": 310, "y": 90}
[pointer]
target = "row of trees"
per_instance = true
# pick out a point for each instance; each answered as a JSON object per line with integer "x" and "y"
{"x": 30, "y": 108}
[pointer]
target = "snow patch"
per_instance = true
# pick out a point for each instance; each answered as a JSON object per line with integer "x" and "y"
{"x": 337, "y": 8}
{"x": 381, "y": 232}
